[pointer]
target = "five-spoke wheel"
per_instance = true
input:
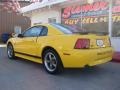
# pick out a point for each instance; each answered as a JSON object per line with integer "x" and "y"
{"x": 10, "y": 51}
{"x": 52, "y": 62}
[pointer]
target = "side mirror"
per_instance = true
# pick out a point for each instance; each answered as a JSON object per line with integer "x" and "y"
{"x": 20, "y": 35}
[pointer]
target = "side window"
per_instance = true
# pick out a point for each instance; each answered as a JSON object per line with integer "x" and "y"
{"x": 36, "y": 31}
{"x": 44, "y": 31}
{"x": 33, "y": 32}
{"x": 27, "y": 33}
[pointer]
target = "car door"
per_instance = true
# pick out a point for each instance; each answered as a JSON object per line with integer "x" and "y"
{"x": 28, "y": 43}
{"x": 42, "y": 39}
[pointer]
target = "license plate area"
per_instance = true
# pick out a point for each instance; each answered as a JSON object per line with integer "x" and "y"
{"x": 100, "y": 43}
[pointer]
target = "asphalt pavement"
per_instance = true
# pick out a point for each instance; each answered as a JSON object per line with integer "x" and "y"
{"x": 21, "y": 74}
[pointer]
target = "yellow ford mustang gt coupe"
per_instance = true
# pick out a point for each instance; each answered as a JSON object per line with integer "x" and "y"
{"x": 58, "y": 46}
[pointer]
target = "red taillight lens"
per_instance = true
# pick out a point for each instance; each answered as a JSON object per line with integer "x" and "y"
{"x": 82, "y": 44}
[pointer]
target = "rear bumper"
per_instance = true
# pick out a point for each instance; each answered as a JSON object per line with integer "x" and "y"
{"x": 90, "y": 57}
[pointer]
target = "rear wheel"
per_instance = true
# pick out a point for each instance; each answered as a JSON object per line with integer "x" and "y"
{"x": 10, "y": 51}
{"x": 52, "y": 62}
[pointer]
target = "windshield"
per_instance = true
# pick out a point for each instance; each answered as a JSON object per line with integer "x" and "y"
{"x": 75, "y": 29}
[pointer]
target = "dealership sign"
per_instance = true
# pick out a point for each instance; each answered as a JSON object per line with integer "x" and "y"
{"x": 91, "y": 20}
{"x": 87, "y": 10}
{"x": 90, "y": 13}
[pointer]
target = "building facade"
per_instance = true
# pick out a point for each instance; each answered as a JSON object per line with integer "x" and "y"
{"x": 99, "y": 16}
{"x": 12, "y": 22}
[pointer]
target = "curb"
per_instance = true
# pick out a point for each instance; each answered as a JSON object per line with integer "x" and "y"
{"x": 2, "y": 45}
{"x": 116, "y": 57}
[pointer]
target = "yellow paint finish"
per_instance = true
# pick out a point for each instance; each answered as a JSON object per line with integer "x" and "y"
{"x": 81, "y": 58}
{"x": 64, "y": 45}
{"x": 37, "y": 60}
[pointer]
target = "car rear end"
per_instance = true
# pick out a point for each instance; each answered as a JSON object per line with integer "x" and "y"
{"x": 87, "y": 50}
{"x": 84, "y": 49}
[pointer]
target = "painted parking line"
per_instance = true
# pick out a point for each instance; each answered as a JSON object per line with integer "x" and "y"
{"x": 2, "y": 45}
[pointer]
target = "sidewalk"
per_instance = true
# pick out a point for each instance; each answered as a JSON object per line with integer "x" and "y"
{"x": 2, "y": 45}
{"x": 116, "y": 57}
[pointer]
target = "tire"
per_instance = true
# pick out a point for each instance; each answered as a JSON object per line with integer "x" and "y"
{"x": 10, "y": 51}
{"x": 52, "y": 62}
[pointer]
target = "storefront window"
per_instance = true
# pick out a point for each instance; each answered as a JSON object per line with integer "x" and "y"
{"x": 88, "y": 17}
{"x": 116, "y": 18}
{"x": 52, "y": 20}
{"x": 96, "y": 19}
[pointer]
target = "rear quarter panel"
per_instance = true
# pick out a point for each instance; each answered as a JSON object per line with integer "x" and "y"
{"x": 60, "y": 43}
{"x": 64, "y": 44}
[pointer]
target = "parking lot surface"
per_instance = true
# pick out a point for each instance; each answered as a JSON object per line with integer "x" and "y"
{"x": 25, "y": 75}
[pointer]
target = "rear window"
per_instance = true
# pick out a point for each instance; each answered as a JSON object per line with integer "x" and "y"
{"x": 63, "y": 28}
{"x": 75, "y": 29}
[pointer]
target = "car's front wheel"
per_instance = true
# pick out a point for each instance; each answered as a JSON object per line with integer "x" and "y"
{"x": 52, "y": 62}
{"x": 10, "y": 51}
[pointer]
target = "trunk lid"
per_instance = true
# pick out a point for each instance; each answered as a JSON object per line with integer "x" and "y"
{"x": 97, "y": 41}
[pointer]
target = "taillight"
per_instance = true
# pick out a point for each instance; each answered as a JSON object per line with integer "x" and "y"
{"x": 82, "y": 44}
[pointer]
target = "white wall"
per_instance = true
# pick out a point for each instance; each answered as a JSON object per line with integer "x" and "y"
{"x": 116, "y": 44}
{"x": 42, "y": 16}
